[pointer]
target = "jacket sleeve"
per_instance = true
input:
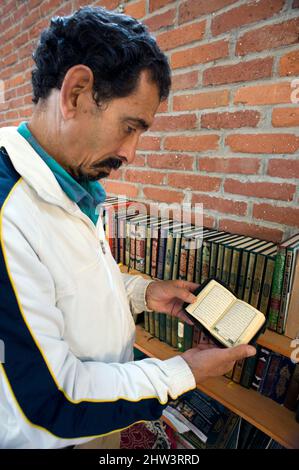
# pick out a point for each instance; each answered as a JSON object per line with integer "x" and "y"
{"x": 51, "y": 389}
{"x": 136, "y": 288}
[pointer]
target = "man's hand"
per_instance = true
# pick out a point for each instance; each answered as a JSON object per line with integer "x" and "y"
{"x": 169, "y": 297}
{"x": 212, "y": 362}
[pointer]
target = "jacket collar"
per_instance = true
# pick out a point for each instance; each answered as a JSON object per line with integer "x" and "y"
{"x": 33, "y": 169}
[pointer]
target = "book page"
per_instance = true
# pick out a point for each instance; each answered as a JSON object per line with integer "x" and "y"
{"x": 210, "y": 306}
{"x": 235, "y": 322}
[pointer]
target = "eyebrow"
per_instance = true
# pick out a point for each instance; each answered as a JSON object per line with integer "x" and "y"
{"x": 141, "y": 123}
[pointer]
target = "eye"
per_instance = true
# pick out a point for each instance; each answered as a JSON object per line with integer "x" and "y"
{"x": 130, "y": 129}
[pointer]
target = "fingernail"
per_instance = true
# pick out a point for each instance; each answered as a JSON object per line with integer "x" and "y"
{"x": 192, "y": 298}
{"x": 251, "y": 351}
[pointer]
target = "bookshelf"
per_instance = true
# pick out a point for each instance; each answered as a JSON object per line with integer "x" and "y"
{"x": 265, "y": 414}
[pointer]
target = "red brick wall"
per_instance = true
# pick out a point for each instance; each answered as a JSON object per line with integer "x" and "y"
{"x": 228, "y": 135}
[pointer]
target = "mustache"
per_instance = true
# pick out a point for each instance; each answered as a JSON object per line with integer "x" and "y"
{"x": 111, "y": 162}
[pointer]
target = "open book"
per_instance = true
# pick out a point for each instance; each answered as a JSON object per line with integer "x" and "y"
{"x": 228, "y": 320}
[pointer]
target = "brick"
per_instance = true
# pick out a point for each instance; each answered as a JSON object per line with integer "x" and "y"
{"x": 193, "y": 9}
{"x": 264, "y": 189}
{"x": 230, "y": 120}
{"x": 163, "y": 195}
{"x": 289, "y": 64}
{"x": 139, "y": 160}
{"x": 136, "y": 9}
{"x": 295, "y": 4}
{"x": 269, "y": 37}
{"x": 117, "y": 187}
{"x": 26, "y": 112}
{"x": 184, "y": 80}
{"x": 220, "y": 204}
{"x": 182, "y": 35}
{"x": 243, "y": 165}
{"x": 116, "y": 174}
{"x": 194, "y": 182}
{"x": 251, "y": 12}
{"x": 281, "y": 215}
{"x": 144, "y": 177}
{"x": 285, "y": 117}
{"x": 200, "y": 54}
{"x": 251, "y": 230}
{"x": 149, "y": 143}
{"x": 109, "y": 4}
{"x": 263, "y": 143}
{"x": 283, "y": 168}
{"x": 213, "y": 99}
{"x": 156, "y": 4}
{"x": 173, "y": 123}
{"x": 10, "y": 59}
{"x": 161, "y": 20}
{"x": 163, "y": 107}
{"x": 30, "y": 18}
{"x": 241, "y": 72}
{"x": 21, "y": 39}
{"x": 170, "y": 161}
{"x": 274, "y": 93}
{"x": 197, "y": 143}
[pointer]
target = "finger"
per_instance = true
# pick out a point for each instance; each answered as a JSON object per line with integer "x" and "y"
{"x": 204, "y": 346}
{"x": 183, "y": 294}
{"x": 191, "y": 286}
{"x": 240, "y": 352}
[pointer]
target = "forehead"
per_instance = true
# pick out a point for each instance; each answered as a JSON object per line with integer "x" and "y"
{"x": 142, "y": 104}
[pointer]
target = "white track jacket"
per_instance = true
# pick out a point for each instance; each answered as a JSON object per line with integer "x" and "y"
{"x": 66, "y": 321}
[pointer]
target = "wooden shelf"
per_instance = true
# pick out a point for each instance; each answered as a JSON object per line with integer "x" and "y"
{"x": 277, "y": 343}
{"x": 268, "y": 416}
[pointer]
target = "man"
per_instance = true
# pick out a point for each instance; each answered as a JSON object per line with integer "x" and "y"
{"x": 66, "y": 311}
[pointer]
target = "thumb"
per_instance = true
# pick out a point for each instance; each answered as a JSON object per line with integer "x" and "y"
{"x": 241, "y": 352}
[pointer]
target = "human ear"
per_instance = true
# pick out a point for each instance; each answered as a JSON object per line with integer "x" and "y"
{"x": 77, "y": 82}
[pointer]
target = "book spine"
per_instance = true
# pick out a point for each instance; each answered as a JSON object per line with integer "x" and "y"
{"x": 188, "y": 336}
{"x": 257, "y": 278}
{"x": 122, "y": 241}
{"x": 226, "y": 265}
{"x": 269, "y": 378}
{"x": 261, "y": 368}
{"x": 146, "y": 321}
{"x": 205, "y": 262}
{"x": 176, "y": 259}
{"x": 197, "y": 274}
{"x": 242, "y": 275}
{"x": 249, "y": 277}
{"x": 213, "y": 260}
{"x": 140, "y": 248}
{"x": 266, "y": 287}
{"x": 155, "y": 240}
{"x": 133, "y": 228}
{"x": 196, "y": 336}
{"x": 174, "y": 332}
{"x": 233, "y": 278}
{"x": 292, "y": 394}
{"x": 282, "y": 380}
{"x": 151, "y": 316}
{"x": 148, "y": 250}
{"x": 284, "y": 292}
{"x": 238, "y": 371}
{"x": 248, "y": 371}
{"x": 128, "y": 229}
{"x": 157, "y": 324}
{"x": 169, "y": 257}
{"x": 220, "y": 261}
{"x": 162, "y": 332}
{"x": 162, "y": 252}
{"x": 180, "y": 336}
{"x": 191, "y": 261}
{"x": 275, "y": 297}
{"x": 168, "y": 328}
{"x": 183, "y": 260}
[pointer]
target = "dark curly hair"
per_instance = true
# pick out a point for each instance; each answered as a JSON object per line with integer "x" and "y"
{"x": 114, "y": 46}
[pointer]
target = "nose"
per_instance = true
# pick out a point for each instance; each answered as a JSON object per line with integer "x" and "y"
{"x": 128, "y": 148}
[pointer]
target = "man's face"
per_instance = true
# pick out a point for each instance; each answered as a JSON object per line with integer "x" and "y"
{"x": 103, "y": 138}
